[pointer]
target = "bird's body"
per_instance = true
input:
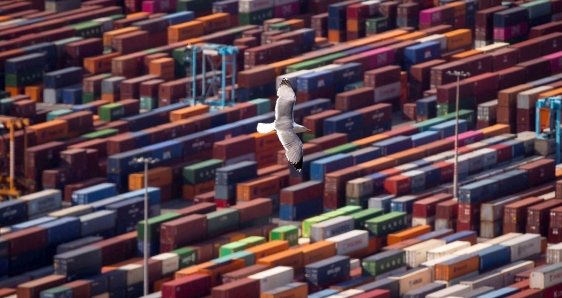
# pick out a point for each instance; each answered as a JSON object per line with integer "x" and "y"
{"x": 285, "y": 126}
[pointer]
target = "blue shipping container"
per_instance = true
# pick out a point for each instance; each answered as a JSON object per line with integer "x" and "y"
{"x": 422, "y": 52}
{"x": 246, "y": 94}
{"x": 129, "y": 212}
{"x": 478, "y": 191}
{"x": 426, "y": 107}
{"x": 308, "y": 108}
{"x": 322, "y": 272}
{"x": 348, "y": 73}
{"x": 424, "y": 138}
{"x": 100, "y": 283}
{"x": 494, "y": 257}
{"x": 12, "y": 211}
{"x": 365, "y": 154}
{"x": 179, "y": 17}
{"x": 324, "y": 293}
{"x": 319, "y": 168}
{"x": 225, "y": 131}
{"x": 517, "y": 148}
{"x": 314, "y": 81}
{"x": 511, "y": 182}
{"x": 447, "y": 129}
{"x": 382, "y": 201}
{"x": 394, "y": 145}
{"x": 166, "y": 151}
{"x": 195, "y": 143}
{"x": 432, "y": 175}
{"x": 403, "y": 204}
{"x": 344, "y": 123}
{"x": 141, "y": 138}
{"x": 218, "y": 118}
{"x": 378, "y": 181}
{"x": 31, "y": 223}
{"x": 62, "y": 78}
{"x": 500, "y": 293}
{"x": 62, "y": 230}
{"x": 456, "y": 236}
{"x": 306, "y": 162}
{"x": 97, "y": 222}
{"x": 236, "y": 173}
{"x": 123, "y": 163}
{"x": 84, "y": 107}
{"x": 249, "y": 125}
{"x": 420, "y": 163}
{"x": 510, "y": 17}
{"x": 72, "y": 95}
{"x": 94, "y": 193}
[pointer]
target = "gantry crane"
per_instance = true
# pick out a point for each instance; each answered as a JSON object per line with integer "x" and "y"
{"x": 553, "y": 104}
{"x": 8, "y": 188}
{"x": 216, "y": 75}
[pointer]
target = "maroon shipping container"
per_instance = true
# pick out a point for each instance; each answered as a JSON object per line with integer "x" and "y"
{"x": 120, "y": 125}
{"x": 154, "y": 269}
{"x": 255, "y": 77}
{"x": 558, "y": 190}
{"x": 33, "y": 289}
{"x": 375, "y": 114}
{"x": 545, "y": 29}
{"x": 183, "y": 231}
{"x": 469, "y": 216}
{"x": 330, "y": 141}
{"x": 248, "y": 288}
{"x": 538, "y": 216}
{"x": 426, "y": 208}
{"x": 243, "y": 273}
{"x": 528, "y": 50}
{"x": 79, "y": 121}
{"x": 439, "y": 29}
{"x": 176, "y": 129}
{"x": 80, "y": 288}
{"x": 130, "y": 42}
{"x": 447, "y": 210}
{"x": 536, "y": 69}
{"x": 23, "y": 108}
{"x": 73, "y": 157}
{"x": 120, "y": 143}
{"x": 117, "y": 249}
{"x": 130, "y": 88}
{"x": 316, "y": 122}
{"x": 402, "y": 131}
{"x": 201, "y": 208}
{"x": 208, "y": 197}
{"x": 234, "y": 147}
{"x": 70, "y": 188}
{"x": 504, "y": 58}
{"x": 403, "y": 244}
{"x": 75, "y": 52}
{"x": 447, "y": 93}
{"x": 515, "y": 214}
{"x": 26, "y": 240}
{"x": 326, "y": 92}
{"x": 539, "y": 171}
{"x": 382, "y": 76}
{"x": 549, "y": 42}
{"x": 93, "y": 84}
{"x": 334, "y": 186}
{"x": 192, "y": 286}
{"x": 355, "y": 99}
{"x": 98, "y": 144}
{"x": 301, "y": 193}
{"x": 439, "y": 73}
{"x": 253, "y": 209}
{"x": 44, "y": 155}
{"x": 268, "y": 53}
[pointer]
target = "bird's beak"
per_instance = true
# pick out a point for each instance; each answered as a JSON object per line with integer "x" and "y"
{"x": 308, "y": 130}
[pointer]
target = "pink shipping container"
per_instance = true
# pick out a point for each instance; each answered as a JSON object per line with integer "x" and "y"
{"x": 380, "y": 57}
{"x": 469, "y": 137}
{"x": 286, "y": 10}
{"x": 510, "y": 32}
{"x": 431, "y": 16}
{"x": 555, "y": 62}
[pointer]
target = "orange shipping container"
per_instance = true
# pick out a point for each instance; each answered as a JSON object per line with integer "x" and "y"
{"x": 495, "y": 130}
{"x": 545, "y": 118}
{"x": 407, "y": 156}
{"x": 269, "y": 248}
{"x": 550, "y": 93}
{"x": 266, "y": 141}
{"x": 298, "y": 290}
{"x": 137, "y": 15}
{"x": 180, "y": 114}
{"x": 377, "y": 165}
{"x": 14, "y": 90}
{"x": 215, "y": 22}
{"x": 109, "y": 35}
{"x": 465, "y": 54}
{"x": 318, "y": 251}
{"x": 282, "y": 65}
{"x": 458, "y": 39}
{"x": 366, "y": 142}
{"x": 185, "y": 31}
{"x": 158, "y": 284}
{"x": 459, "y": 7}
{"x": 50, "y": 131}
{"x": 295, "y": 24}
{"x": 408, "y": 234}
{"x": 35, "y": 92}
{"x": 261, "y": 187}
{"x": 190, "y": 191}
{"x": 216, "y": 271}
{"x": 465, "y": 265}
{"x": 163, "y": 67}
{"x": 292, "y": 258}
{"x": 100, "y": 64}
{"x": 193, "y": 269}
{"x": 157, "y": 177}
{"x": 411, "y": 36}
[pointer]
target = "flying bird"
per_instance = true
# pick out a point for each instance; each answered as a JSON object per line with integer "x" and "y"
{"x": 285, "y": 126}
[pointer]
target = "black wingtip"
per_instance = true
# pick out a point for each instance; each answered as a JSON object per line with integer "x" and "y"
{"x": 298, "y": 165}
{"x": 286, "y": 83}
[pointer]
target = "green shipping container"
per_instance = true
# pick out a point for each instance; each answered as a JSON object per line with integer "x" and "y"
{"x": 111, "y": 112}
{"x": 353, "y": 86}
{"x": 179, "y": 62}
{"x": 306, "y": 137}
{"x": 362, "y": 216}
{"x": 256, "y": 17}
{"x": 5, "y": 105}
{"x": 201, "y": 172}
{"x": 467, "y": 115}
{"x": 383, "y": 262}
{"x": 222, "y": 220}
{"x": 288, "y": 233}
{"x": 57, "y": 113}
{"x": 89, "y": 97}
{"x": 345, "y": 148}
{"x": 194, "y": 5}
{"x": 104, "y": 133}
{"x": 231, "y": 248}
{"x": 307, "y": 223}
{"x": 348, "y": 209}
{"x": 284, "y": 27}
{"x": 363, "y": 201}
{"x": 148, "y": 103}
{"x": 425, "y": 125}
{"x": 253, "y": 241}
{"x": 376, "y": 25}
{"x": 89, "y": 29}
{"x": 387, "y": 224}
{"x": 263, "y": 105}
{"x": 116, "y": 17}
{"x": 57, "y": 292}
{"x": 258, "y": 221}
{"x": 248, "y": 257}
{"x": 154, "y": 226}
{"x": 187, "y": 256}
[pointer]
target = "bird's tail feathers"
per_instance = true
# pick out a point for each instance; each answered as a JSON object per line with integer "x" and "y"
{"x": 266, "y": 127}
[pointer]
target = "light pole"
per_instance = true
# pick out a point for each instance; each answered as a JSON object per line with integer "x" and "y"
{"x": 146, "y": 161}
{"x": 457, "y": 74}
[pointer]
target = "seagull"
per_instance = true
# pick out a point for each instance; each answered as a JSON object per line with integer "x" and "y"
{"x": 285, "y": 125}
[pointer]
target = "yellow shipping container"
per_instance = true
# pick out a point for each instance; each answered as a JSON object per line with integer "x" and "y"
{"x": 365, "y": 142}
{"x": 408, "y": 234}
{"x": 137, "y": 15}
{"x": 458, "y": 39}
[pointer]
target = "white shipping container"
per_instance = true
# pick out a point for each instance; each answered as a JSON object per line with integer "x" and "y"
{"x": 554, "y": 254}
{"x": 442, "y": 224}
{"x": 493, "y": 47}
{"x": 406, "y": 167}
{"x": 412, "y": 280}
{"x": 42, "y": 201}
{"x": 354, "y": 264}
{"x": 453, "y": 290}
{"x": 546, "y": 277}
{"x": 548, "y": 196}
{"x": 351, "y": 241}
{"x": 490, "y": 157}
{"x": 462, "y": 165}
{"x": 331, "y": 228}
{"x": 134, "y": 273}
{"x": 247, "y": 6}
{"x": 477, "y": 145}
{"x": 326, "y": 67}
{"x": 524, "y": 98}
{"x": 475, "y": 292}
{"x": 421, "y": 221}
{"x": 170, "y": 262}
{"x": 435, "y": 158}
{"x": 524, "y": 246}
{"x": 436, "y": 37}
{"x": 274, "y": 277}
{"x": 373, "y": 6}
{"x": 417, "y": 179}
{"x": 493, "y": 279}
{"x": 494, "y": 211}
{"x": 348, "y": 293}
{"x": 511, "y": 270}
{"x": 304, "y": 241}
{"x": 475, "y": 161}
{"x": 417, "y": 254}
{"x": 240, "y": 158}
{"x": 528, "y": 139}
{"x": 457, "y": 280}
{"x": 75, "y": 211}
{"x": 5, "y": 231}
{"x": 431, "y": 264}
{"x": 472, "y": 249}
{"x": 502, "y": 238}
{"x": 106, "y": 24}
{"x": 359, "y": 187}
{"x": 447, "y": 249}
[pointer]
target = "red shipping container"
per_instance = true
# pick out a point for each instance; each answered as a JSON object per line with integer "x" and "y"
{"x": 192, "y": 286}
{"x": 26, "y": 240}
{"x": 398, "y": 185}
{"x": 427, "y": 207}
{"x": 254, "y": 209}
{"x": 117, "y": 249}
{"x": 540, "y": 171}
{"x": 503, "y": 152}
{"x": 249, "y": 288}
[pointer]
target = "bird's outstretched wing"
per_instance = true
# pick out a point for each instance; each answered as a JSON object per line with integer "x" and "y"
{"x": 284, "y": 124}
